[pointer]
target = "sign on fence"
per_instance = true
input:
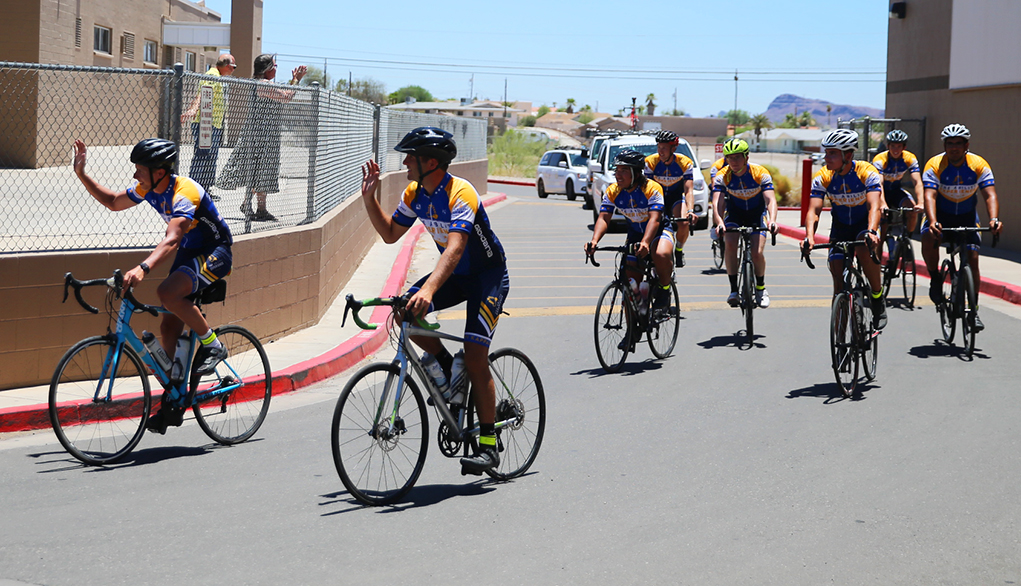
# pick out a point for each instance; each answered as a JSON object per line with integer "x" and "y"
{"x": 205, "y": 117}
{"x": 718, "y": 150}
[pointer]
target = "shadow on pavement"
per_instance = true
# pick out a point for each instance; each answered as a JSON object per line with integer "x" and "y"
{"x": 629, "y": 368}
{"x": 940, "y": 349}
{"x": 737, "y": 340}
{"x": 831, "y": 392}
{"x": 419, "y": 496}
{"x": 135, "y": 458}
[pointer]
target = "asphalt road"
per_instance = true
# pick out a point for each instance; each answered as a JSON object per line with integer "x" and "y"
{"x": 719, "y": 465}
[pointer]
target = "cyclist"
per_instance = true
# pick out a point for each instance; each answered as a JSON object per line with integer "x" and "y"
{"x": 854, "y": 188}
{"x": 951, "y": 181}
{"x": 713, "y": 170}
{"x": 893, "y": 164}
{"x": 743, "y": 196}
{"x": 472, "y": 265}
{"x": 640, "y": 200}
{"x": 197, "y": 239}
{"x": 674, "y": 173}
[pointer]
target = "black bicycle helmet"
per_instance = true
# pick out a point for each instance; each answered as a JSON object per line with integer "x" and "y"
{"x": 155, "y": 153}
{"x": 666, "y": 136}
{"x": 630, "y": 158}
{"x": 429, "y": 141}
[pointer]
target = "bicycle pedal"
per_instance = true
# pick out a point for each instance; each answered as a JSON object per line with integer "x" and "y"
{"x": 465, "y": 471}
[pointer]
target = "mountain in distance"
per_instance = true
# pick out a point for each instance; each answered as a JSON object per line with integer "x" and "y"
{"x": 786, "y": 103}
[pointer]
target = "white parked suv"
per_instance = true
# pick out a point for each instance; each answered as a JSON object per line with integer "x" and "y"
{"x": 563, "y": 170}
{"x": 601, "y": 171}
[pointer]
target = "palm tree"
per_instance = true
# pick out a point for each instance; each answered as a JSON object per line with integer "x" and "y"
{"x": 650, "y": 106}
{"x": 805, "y": 119}
{"x": 570, "y": 105}
{"x": 758, "y": 122}
{"x": 829, "y": 108}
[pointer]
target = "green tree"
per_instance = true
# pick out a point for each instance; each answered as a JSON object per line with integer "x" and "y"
{"x": 760, "y": 122}
{"x": 585, "y": 117}
{"x": 527, "y": 121}
{"x": 586, "y": 108}
{"x": 789, "y": 121}
{"x": 315, "y": 74}
{"x": 650, "y": 105}
{"x": 413, "y": 91}
{"x": 676, "y": 112}
{"x": 570, "y": 105}
{"x": 737, "y": 117}
{"x": 805, "y": 119}
{"x": 543, "y": 110}
{"x": 367, "y": 90}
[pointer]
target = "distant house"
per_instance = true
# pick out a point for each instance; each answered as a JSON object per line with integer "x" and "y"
{"x": 786, "y": 140}
{"x": 496, "y": 114}
{"x": 561, "y": 121}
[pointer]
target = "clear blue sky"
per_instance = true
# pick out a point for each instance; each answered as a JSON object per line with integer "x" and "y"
{"x": 598, "y": 52}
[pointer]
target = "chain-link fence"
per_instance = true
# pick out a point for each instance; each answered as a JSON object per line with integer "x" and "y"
{"x": 872, "y": 135}
{"x": 271, "y": 156}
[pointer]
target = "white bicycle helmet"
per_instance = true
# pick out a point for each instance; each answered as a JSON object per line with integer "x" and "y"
{"x": 955, "y": 130}
{"x": 843, "y": 139}
{"x": 896, "y": 136}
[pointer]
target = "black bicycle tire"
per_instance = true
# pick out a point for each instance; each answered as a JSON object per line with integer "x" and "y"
{"x": 244, "y": 399}
{"x": 946, "y": 309}
{"x": 718, "y": 250}
{"x": 908, "y": 273}
{"x": 59, "y": 410}
{"x": 507, "y": 436}
{"x": 673, "y": 315}
{"x": 841, "y": 300}
{"x": 627, "y": 318}
{"x": 748, "y": 290}
{"x": 360, "y": 415}
{"x": 969, "y": 301}
{"x": 869, "y": 343}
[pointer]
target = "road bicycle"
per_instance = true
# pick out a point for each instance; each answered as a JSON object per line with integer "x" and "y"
{"x": 624, "y": 314}
{"x": 959, "y": 296}
{"x": 380, "y": 430}
{"x": 900, "y": 263}
{"x": 719, "y": 250}
{"x": 746, "y": 277}
{"x": 99, "y": 398}
{"x": 854, "y": 338}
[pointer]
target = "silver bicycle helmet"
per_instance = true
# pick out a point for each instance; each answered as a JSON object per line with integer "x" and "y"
{"x": 896, "y": 136}
{"x": 842, "y": 138}
{"x": 955, "y": 130}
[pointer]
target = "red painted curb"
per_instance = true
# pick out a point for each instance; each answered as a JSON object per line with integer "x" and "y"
{"x": 522, "y": 182}
{"x": 294, "y": 377}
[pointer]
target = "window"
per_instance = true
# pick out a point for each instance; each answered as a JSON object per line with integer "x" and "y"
{"x": 128, "y": 45}
{"x": 101, "y": 38}
{"x": 189, "y": 61}
{"x": 151, "y": 51}
{"x": 78, "y": 32}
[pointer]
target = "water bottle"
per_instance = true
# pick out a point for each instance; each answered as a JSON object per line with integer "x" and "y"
{"x": 643, "y": 290}
{"x": 634, "y": 286}
{"x": 458, "y": 379}
{"x": 435, "y": 371}
{"x": 156, "y": 350}
{"x": 180, "y": 358}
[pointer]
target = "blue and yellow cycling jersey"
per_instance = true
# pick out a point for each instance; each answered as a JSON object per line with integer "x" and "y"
{"x": 670, "y": 176}
{"x": 634, "y": 204}
{"x": 719, "y": 164}
{"x": 744, "y": 192}
{"x": 454, "y": 206}
{"x": 956, "y": 186}
{"x": 847, "y": 192}
{"x": 185, "y": 198}
{"x": 893, "y": 170}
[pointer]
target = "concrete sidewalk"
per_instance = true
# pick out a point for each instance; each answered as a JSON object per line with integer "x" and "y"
{"x": 300, "y": 359}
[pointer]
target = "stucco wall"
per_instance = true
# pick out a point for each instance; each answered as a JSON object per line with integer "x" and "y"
{"x": 282, "y": 282}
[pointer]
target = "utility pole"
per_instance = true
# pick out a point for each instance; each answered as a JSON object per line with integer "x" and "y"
{"x": 505, "y": 98}
{"x": 735, "y": 92}
{"x": 675, "y": 101}
{"x": 471, "y": 90}
{"x": 327, "y": 86}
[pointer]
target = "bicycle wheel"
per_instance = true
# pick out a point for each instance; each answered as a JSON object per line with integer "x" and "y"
{"x": 613, "y": 327}
{"x": 889, "y": 268}
{"x": 748, "y": 303}
{"x": 664, "y": 324}
{"x": 379, "y": 447}
{"x": 947, "y": 313}
{"x": 842, "y": 344}
{"x": 967, "y": 300}
{"x": 718, "y": 253}
{"x": 868, "y": 340}
{"x": 907, "y": 273}
{"x": 236, "y": 415}
{"x": 98, "y": 409}
{"x": 520, "y": 401}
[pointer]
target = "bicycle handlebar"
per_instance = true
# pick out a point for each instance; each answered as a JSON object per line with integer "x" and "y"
{"x": 996, "y": 237}
{"x": 749, "y": 230}
{"x": 116, "y": 282}
{"x": 591, "y": 254}
{"x": 398, "y": 302}
{"x": 845, "y": 246}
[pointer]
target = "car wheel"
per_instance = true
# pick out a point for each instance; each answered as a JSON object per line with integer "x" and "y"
{"x": 539, "y": 187}
{"x": 571, "y": 195}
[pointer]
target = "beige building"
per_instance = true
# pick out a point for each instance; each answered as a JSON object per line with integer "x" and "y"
{"x": 948, "y": 62}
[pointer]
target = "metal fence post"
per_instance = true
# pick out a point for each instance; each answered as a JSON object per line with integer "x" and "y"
{"x": 176, "y": 107}
{"x": 313, "y": 149}
{"x": 376, "y": 112}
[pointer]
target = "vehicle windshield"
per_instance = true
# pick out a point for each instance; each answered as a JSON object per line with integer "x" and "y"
{"x": 683, "y": 149}
{"x": 645, "y": 149}
{"x": 578, "y": 160}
